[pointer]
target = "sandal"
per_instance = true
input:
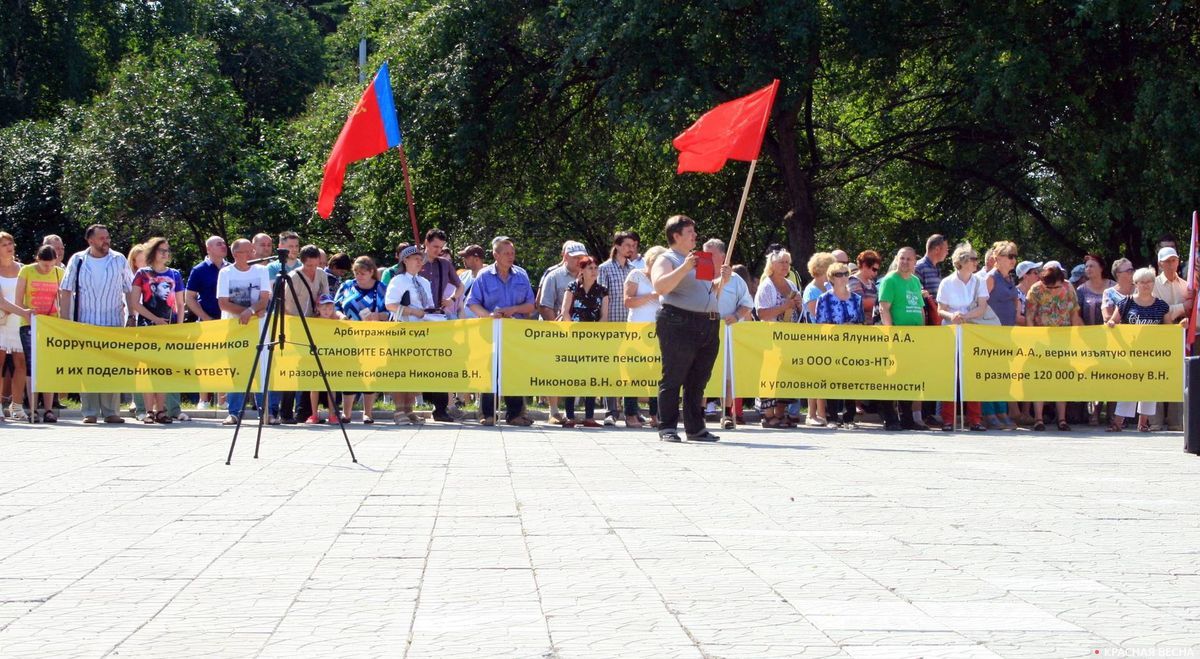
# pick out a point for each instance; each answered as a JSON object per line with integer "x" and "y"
{"x": 772, "y": 422}
{"x": 1142, "y": 428}
{"x": 161, "y": 417}
{"x": 1115, "y": 427}
{"x": 1039, "y": 425}
{"x": 148, "y": 418}
{"x": 49, "y": 417}
{"x": 1063, "y": 426}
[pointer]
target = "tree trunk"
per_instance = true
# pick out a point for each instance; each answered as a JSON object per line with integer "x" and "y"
{"x": 800, "y": 219}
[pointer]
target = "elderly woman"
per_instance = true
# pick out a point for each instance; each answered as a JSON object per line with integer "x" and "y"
{"x": 1004, "y": 301}
{"x": 840, "y": 306}
{"x": 361, "y": 298}
{"x": 643, "y": 305}
{"x": 410, "y": 299}
{"x": 1140, "y": 308}
{"x": 1051, "y": 303}
{"x": 1090, "y": 292}
{"x": 962, "y": 298}
{"x": 1122, "y": 269}
{"x": 777, "y": 300}
{"x": 818, "y": 267}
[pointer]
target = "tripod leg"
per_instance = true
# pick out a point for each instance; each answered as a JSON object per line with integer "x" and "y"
{"x": 262, "y": 339}
{"x": 312, "y": 346}
{"x": 276, "y": 331}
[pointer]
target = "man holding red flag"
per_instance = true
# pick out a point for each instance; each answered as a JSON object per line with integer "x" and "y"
{"x": 688, "y": 324}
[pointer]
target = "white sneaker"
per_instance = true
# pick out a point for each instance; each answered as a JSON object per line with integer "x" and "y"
{"x": 609, "y": 421}
{"x": 183, "y": 417}
{"x": 401, "y": 419}
{"x": 203, "y": 405}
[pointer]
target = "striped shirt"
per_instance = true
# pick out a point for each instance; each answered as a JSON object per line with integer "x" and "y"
{"x": 102, "y": 288}
{"x": 929, "y": 275}
{"x": 613, "y": 276}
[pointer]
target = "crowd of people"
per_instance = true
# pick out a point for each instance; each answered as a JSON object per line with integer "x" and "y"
{"x": 665, "y": 284}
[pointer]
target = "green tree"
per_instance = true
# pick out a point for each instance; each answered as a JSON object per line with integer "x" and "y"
{"x": 31, "y": 161}
{"x": 158, "y": 152}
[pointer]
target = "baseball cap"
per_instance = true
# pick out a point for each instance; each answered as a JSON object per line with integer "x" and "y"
{"x": 409, "y": 251}
{"x": 1077, "y": 272}
{"x": 574, "y": 248}
{"x": 325, "y": 299}
{"x": 1167, "y": 253}
{"x": 472, "y": 250}
{"x": 1053, "y": 264}
{"x": 1024, "y": 267}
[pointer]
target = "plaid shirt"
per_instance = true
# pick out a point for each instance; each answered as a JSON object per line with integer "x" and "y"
{"x": 613, "y": 275}
{"x": 929, "y": 275}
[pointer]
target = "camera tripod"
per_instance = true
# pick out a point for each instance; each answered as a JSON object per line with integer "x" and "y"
{"x": 273, "y": 329}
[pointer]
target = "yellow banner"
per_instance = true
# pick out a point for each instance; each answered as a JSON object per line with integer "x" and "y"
{"x": 856, "y": 362}
{"x": 454, "y": 355}
{"x": 584, "y": 359}
{"x": 1126, "y": 362}
{"x": 210, "y": 356}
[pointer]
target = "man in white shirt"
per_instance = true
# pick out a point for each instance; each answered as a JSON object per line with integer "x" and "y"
{"x": 1172, "y": 289}
{"x": 93, "y": 291}
{"x": 243, "y": 291}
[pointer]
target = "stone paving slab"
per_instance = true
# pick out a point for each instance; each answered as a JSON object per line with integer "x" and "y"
{"x": 463, "y": 541}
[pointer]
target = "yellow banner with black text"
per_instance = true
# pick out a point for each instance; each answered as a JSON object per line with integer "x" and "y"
{"x": 1094, "y": 363}
{"x": 854, "y": 362}
{"x": 585, "y": 359}
{"x": 211, "y": 356}
{"x": 772, "y": 360}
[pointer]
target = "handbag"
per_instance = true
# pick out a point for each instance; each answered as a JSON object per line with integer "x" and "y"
{"x": 989, "y": 317}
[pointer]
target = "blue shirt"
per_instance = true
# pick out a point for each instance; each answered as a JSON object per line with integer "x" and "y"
{"x": 203, "y": 282}
{"x": 491, "y": 292}
{"x": 275, "y": 266}
{"x": 831, "y": 309}
{"x": 354, "y": 301}
{"x": 929, "y": 275}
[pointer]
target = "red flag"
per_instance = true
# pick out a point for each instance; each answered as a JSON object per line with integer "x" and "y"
{"x": 730, "y": 131}
{"x": 369, "y": 131}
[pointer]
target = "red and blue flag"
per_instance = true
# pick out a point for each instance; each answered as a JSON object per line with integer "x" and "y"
{"x": 369, "y": 131}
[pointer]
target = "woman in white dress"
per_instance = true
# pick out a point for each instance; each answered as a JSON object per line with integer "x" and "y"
{"x": 410, "y": 299}
{"x": 10, "y": 326}
{"x": 643, "y": 305}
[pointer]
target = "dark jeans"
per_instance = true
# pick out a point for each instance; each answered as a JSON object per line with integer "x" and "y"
{"x": 844, "y": 407}
{"x": 295, "y": 405}
{"x": 589, "y": 407}
{"x": 632, "y": 409}
{"x": 689, "y": 343}
{"x": 514, "y": 404}
{"x": 439, "y": 400}
{"x": 27, "y": 346}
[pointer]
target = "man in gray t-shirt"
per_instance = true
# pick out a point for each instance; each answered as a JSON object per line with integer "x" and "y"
{"x": 93, "y": 292}
{"x": 553, "y": 286}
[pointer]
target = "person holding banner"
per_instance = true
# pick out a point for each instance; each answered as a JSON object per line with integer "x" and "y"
{"x": 1122, "y": 269}
{"x": 1004, "y": 301}
{"x": 37, "y": 294}
{"x": 689, "y": 332}
{"x": 734, "y": 305}
{"x": 10, "y": 324}
{"x": 550, "y": 293}
{"x": 1140, "y": 308}
{"x": 362, "y": 298}
{"x": 1052, "y": 303}
{"x": 963, "y": 298}
{"x": 613, "y": 274}
{"x": 863, "y": 283}
{"x": 585, "y": 301}
{"x": 643, "y": 304}
{"x": 502, "y": 291}
{"x": 840, "y": 306}
{"x": 777, "y": 301}
{"x": 818, "y": 268}
{"x": 1172, "y": 289}
{"x": 901, "y": 303}
{"x": 157, "y": 299}
{"x": 243, "y": 292}
{"x": 410, "y": 298}
{"x": 94, "y": 292}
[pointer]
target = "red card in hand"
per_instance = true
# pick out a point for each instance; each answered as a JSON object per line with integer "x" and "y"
{"x": 705, "y": 270}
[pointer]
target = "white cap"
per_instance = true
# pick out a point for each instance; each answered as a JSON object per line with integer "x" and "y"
{"x": 1053, "y": 264}
{"x": 1167, "y": 253}
{"x": 1024, "y": 267}
{"x": 574, "y": 248}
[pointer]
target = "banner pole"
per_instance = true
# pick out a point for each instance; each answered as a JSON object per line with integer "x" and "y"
{"x": 408, "y": 193}
{"x": 737, "y": 222}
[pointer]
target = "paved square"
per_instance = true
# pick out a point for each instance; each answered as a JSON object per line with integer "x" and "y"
{"x": 462, "y": 541}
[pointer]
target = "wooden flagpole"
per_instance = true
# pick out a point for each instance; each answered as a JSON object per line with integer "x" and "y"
{"x": 737, "y": 224}
{"x": 412, "y": 209}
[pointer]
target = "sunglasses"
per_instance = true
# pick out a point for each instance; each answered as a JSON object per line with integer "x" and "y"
{"x": 840, "y": 274}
